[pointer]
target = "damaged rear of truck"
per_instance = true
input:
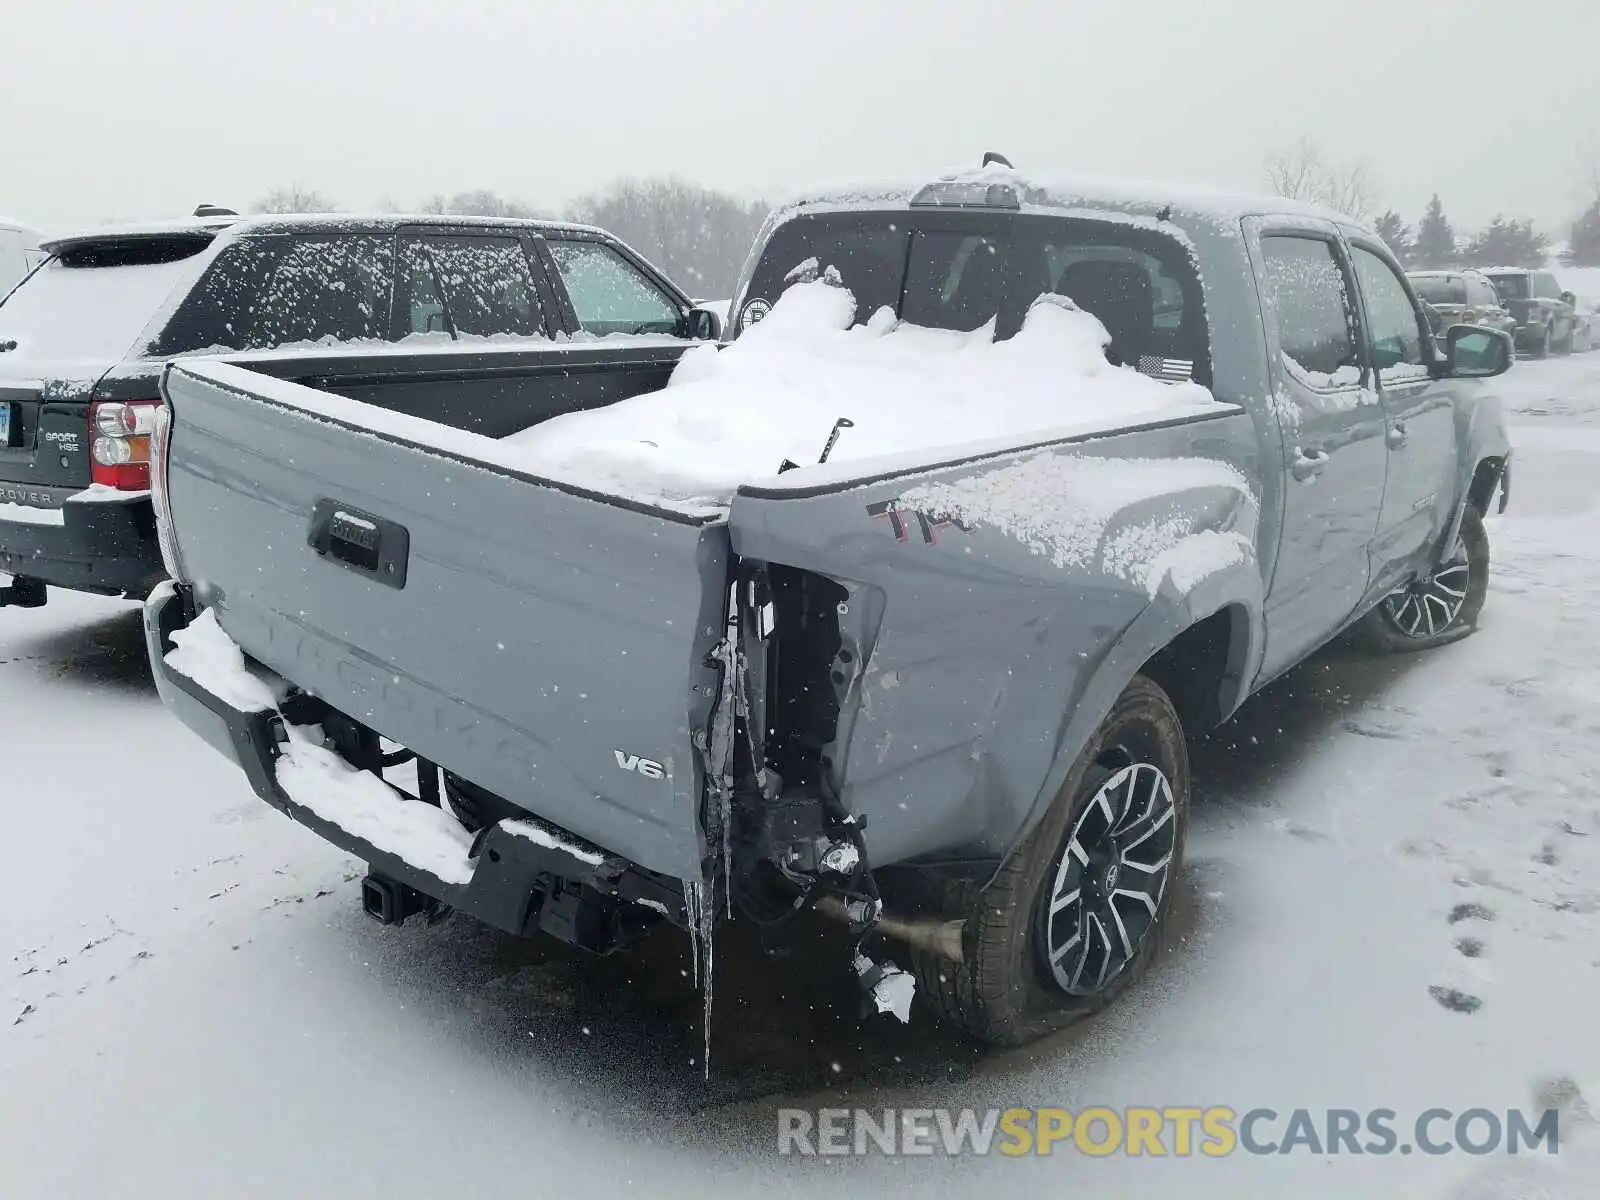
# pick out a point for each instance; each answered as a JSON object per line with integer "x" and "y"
{"x": 563, "y": 713}
{"x": 940, "y": 699}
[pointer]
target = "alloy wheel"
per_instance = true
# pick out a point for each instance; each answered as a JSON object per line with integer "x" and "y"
{"x": 1427, "y": 607}
{"x": 1111, "y": 879}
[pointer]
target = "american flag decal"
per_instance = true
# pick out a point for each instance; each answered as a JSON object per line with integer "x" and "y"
{"x": 1168, "y": 370}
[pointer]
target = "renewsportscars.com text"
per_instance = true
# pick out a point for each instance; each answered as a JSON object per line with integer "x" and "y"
{"x": 1207, "y": 1132}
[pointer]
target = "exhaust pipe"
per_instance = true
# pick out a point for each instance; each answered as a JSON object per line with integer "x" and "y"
{"x": 925, "y": 933}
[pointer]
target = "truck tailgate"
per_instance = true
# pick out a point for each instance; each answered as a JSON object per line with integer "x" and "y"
{"x": 540, "y": 642}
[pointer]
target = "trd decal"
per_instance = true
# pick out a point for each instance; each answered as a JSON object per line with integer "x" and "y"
{"x": 903, "y": 520}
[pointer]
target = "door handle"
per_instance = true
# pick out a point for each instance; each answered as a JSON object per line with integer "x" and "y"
{"x": 1396, "y": 437}
{"x": 1308, "y": 464}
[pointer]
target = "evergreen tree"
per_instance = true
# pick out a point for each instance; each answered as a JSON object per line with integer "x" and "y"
{"x": 1586, "y": 237}
{"x": 1435, "y": 245}
{"x": 1504, "y": 243}
{"x": 1397, "y": 234}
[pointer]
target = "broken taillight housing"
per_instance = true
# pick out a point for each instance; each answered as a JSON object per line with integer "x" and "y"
{"x": 119, "y": 443}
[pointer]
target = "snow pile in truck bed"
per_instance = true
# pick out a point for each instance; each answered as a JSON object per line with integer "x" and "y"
{"x": 732, "y": 416}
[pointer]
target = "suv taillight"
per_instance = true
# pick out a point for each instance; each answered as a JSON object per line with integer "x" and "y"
{"x": 119, "y": 443}
{"x": 166, "y": 537}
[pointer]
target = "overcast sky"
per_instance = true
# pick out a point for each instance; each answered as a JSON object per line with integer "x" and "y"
{"x": 116, "y": 110}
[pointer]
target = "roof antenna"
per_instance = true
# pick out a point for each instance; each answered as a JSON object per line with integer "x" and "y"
{"x": 990, "y": 156}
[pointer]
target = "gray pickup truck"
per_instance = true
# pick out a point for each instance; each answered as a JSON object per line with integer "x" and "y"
{"x": 943, "y": 701}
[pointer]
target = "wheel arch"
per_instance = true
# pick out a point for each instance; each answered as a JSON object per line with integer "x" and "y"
{"x": 1216, "y": 623}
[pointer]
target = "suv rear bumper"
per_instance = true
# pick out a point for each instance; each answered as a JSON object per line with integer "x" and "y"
{"x": 102, "y": 545}
{"x": 518, "y": 876}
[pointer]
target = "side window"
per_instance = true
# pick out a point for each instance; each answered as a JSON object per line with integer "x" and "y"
{"x": 609, "y": 294}
{"x": 1306, "y": 294}
{"x": 1394, "y": 327}
{"x": 1548, "y": 287}
{"x": 269, "y": 291}
{"x": 426, "y": 302}
{"x": 954, "y": 280}
{"x": 484, "y": 284}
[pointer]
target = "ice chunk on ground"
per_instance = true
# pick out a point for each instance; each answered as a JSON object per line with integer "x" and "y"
{"x": 893, "y": 990}
{"x": 730, "y": 416}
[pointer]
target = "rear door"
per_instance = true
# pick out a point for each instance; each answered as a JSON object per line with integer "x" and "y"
{"x": 470, "y": 284}
{"x": 1332, "y": 426}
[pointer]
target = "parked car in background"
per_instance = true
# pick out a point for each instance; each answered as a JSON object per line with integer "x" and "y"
{"x": 84, "y": 339}
{"x": 1461, "y": 298}
{"x": 1544, "y": 314}
{"x": 963, "y": 670}
{"x": 19, "y": 253}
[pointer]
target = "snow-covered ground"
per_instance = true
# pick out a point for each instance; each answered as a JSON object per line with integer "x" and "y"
{"x": 192, "y": 1004}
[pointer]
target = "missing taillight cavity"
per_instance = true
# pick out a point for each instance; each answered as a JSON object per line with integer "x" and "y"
{"x": 119, "y": 445}
{"x": 160, "y": 461}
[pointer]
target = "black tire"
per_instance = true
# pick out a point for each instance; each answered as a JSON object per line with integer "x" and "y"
{"x": 1005, "y": 992}
{"x": 1396, "y": 626}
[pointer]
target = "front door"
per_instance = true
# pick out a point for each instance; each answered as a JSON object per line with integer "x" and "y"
{"x": 1332, "y": 428}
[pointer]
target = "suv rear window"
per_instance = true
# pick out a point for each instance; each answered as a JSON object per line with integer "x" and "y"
{"x": 1441, "y": 289}
{"x": 92, "y": 302}
{"x": 1140, "y": 283}
{"x": 278, "y": 289}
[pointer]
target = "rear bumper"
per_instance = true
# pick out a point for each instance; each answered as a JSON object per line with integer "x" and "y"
{"x": 518, "y": 876}
{"x": 106, "y": 546}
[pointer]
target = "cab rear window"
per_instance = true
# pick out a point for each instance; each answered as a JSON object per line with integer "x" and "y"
{"x": 1142, "y": 284}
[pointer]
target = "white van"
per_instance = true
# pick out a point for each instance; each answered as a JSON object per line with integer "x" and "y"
{"x": 19, "y": 253}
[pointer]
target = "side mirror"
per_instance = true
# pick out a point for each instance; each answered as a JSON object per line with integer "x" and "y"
{"x": 1569, "y": 298}
{"x": 1474, "y": 352}
{"x": 705, "y": 324}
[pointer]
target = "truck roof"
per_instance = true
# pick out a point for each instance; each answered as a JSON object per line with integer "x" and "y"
{"x": 1141, "y": 198}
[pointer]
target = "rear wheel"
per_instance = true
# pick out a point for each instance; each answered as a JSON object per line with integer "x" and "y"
{"x": 1073, "y": 917}
{"x": 1441, "y": 606}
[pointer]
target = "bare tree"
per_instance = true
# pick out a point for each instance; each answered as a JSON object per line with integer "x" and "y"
{"x": 697, "y": 236}
{"x": 295, "y": 199}
{"x": 1303, "y": 172}
{"x": 481, "y": 203}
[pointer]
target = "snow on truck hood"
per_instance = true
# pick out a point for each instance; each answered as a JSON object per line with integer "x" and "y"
{"x": 730, "y": 417}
